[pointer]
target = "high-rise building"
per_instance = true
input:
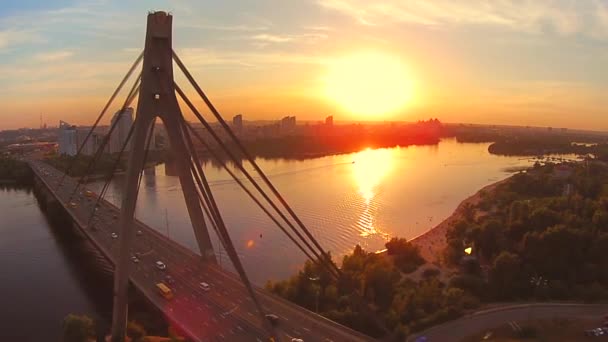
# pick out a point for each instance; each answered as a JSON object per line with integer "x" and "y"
{"x": 123, "y": 120}
{"x": 329, "y": 121}
{"x": 67, "y": 139}
{"x": 288, "y": 124}
{"x": 91, "y": 145}
{"x": 237, "y": 123}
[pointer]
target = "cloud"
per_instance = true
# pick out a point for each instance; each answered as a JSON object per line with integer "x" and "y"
{"x": 533, "y": 16}
{"x": 262, "y": 40}
{"x": 215, "y": 27}
{"x": 53, "y": 56}
{"x": 199, "y": 57}
{"x": 14, "y": 37}
{"x": 271, "y": 38}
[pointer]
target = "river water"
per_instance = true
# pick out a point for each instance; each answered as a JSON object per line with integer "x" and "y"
{"x": 359, "y": 198}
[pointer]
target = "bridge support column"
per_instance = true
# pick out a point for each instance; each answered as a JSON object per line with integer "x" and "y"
{"x": 125, "y": 229}
{"x": 156, "y": 99}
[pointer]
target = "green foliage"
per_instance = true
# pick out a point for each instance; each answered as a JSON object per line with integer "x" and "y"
{"x": 406, "y": 255}
{"x": 78, "y": 329}
{"x": 505, "y": 276}
{"x": 13, "y": 170}
{"x": 79, "y": 166}
{"x": 402, "y": 305}
{"x": 536, "y": 229}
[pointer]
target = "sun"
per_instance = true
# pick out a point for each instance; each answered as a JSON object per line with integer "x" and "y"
{"x": 368, "y": 84}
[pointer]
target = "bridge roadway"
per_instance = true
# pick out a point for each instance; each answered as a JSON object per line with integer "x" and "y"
{"x": 225, "y": 313}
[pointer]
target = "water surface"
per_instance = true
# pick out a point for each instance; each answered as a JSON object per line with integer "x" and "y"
{"x": 358, "y": 198}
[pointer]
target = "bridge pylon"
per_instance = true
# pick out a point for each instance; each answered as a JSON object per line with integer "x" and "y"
{"x": 156, "y": 99}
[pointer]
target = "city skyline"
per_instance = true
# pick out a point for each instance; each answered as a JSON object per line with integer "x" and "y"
{"x": 515, "y": 63}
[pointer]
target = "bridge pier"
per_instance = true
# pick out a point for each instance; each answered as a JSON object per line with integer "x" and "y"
{"x": 156, "y": 99}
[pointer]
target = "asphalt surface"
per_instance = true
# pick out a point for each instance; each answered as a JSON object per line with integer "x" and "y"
{"x": 477, "y": 322}
{"x": 225, "y": 313}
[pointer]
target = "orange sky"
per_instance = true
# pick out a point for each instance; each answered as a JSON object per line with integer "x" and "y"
{"x": 510, "y": 62}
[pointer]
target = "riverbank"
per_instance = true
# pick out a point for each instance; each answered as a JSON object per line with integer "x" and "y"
{"x": 433, "y": 242}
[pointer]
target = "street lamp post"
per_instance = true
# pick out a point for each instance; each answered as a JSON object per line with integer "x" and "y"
{"x": 318, "y": 289}
{"x": 536, "y": 282}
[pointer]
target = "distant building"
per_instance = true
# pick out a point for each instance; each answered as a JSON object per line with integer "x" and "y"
{"x": 123, "y": 120}
{"x": 288, "y": 124}
{"x": 67, "y": 139}
{"x": 91, "y": 145}
{"x": 237, "y": 123}
{"x": 329, "y": 121}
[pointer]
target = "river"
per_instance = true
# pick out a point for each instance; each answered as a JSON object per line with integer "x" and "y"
{"x": 359, "y": 198}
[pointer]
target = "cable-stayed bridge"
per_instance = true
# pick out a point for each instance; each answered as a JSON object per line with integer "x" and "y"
{"x": 209, "y": 303}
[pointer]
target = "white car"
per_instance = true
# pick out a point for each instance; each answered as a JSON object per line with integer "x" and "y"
{"x": 160, "y": 265}
{"x": 272, "y": 318}
{"x": 204, "y": 286}
{"x": 114, "y": 235}
{"x": 135, "y": 259}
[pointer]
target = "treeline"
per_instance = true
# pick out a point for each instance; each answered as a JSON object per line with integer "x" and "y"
{"x": 541, "y": 145}
{"x": 543, "y": 234}
{"x": 304, "y": 146}
{"x": 81, "y": 328}
{"x": 374, "y": 295}
{"x": 79, "y": 166}
{"x": 340, "y": 139}
{"x": 13, "y": 171}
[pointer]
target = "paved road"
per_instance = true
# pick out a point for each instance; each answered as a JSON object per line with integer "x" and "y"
{"x": 461, "y": 328}
{"x": 225, "y": 313}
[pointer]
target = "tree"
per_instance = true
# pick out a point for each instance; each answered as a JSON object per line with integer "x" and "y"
{"x": 505, "y": 274}
{"x": 78, "y": 329}
{"x": 407, "y": 256}
{"x": 542, "y": 218}
{"x": 488, "y": 238}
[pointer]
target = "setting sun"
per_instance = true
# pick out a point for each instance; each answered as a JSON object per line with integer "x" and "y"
{"x": 368, "y": 84}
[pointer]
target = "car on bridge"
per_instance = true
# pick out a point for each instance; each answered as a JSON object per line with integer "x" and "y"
{"x": 204, "y": 286}
{"x": 164, "y": 291}
{"x": 272, "y": 318}
{"x": 161, "y": 265}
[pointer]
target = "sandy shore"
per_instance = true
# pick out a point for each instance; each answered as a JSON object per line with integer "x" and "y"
{"x": 433, "y": 242}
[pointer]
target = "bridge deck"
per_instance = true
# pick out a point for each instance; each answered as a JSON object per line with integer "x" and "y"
{"x": 226, "y": 313}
